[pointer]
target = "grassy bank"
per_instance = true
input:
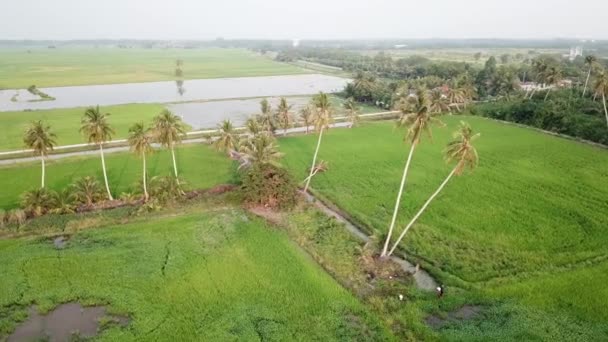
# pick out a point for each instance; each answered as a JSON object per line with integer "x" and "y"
{"x": 20, "y": 68}
{"x": 210, "y": 273}
{"x": 528, "y": 226}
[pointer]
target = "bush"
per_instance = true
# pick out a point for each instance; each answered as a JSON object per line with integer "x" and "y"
{"x": 165, "y": 189}
{"x": 3, "y": 217}
{"x": 270, "y": 186}
{"x": 16, "y": 217}
{"x": 87, "y": 191}
{"x": 38, "y": 202}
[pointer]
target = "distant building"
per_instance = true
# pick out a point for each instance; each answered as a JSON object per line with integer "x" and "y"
{"x": 400, "y": 46}
{"x": 295, "y": 43}
{"x": 575, "y": 52}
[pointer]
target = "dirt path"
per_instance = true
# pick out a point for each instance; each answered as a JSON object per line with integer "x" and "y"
{"x": 422, "y": 278}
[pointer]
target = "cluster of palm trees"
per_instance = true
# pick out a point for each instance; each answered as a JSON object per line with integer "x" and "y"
{"x": 418, "y": 116}
{"x": 167, "y": 129}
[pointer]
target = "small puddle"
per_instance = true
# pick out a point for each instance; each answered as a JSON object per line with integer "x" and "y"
{"x": 63, "y": 323}
{"x": 60, "y": 242}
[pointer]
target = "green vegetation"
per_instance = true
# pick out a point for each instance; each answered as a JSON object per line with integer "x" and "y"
{"x": 85, "y": 66}
{"x": 199, "y": 166}
{"x": 65, "y": 123}
{"x": 524, "y": 234}
{"x": 183, "y": 275}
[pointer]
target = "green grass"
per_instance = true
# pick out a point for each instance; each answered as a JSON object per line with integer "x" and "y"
{"x": 211, "y": 273}
{"x": 199, "y": 166}
{"x": 65, "y": 123}
{"x": 529, "y": 225}
{"x": 84, "y": 66}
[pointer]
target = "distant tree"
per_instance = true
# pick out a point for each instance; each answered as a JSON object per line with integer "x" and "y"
{"x": 477, "y": 56}
{"x": 601, "y": 89}
{"x": 485, "y": 77}
{"x": 39, "y": 138}
{"x": 306, "y": 115}
{"x": 266, "y": 119}
{"x": 460, "y": 150}
{"x": 590, "y": 60}
{"x": 228, "y": 140}
{"x": 438, "y": 102}
{"x": 416, "y": 116}
{"x": 352, "y": 111}
{"x": 95, "y": 127}
{"x": 140, "y": 141}
{"x": 505, "y": 82}
{"x": 284, "y": 113}
{"x": 322, "y": 120}
{"x": 552, "y": 77}
{"x": 504, "y": 59}
{"x": 168, "y": 131}
{"x": 178, "y": 68}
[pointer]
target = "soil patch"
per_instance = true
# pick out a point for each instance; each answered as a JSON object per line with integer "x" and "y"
{"x": 65, "y": 322}
{"x": 60, "y": 242}
{"x": 464, "y": 313}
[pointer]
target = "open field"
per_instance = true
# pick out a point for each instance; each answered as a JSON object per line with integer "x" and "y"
{"x": 527, "y": 227}
{"x": 85, "y": 66}
{"x": 199, "y": 166}
{"x": 209, "y": 273}
{"x": 66, "y": 123}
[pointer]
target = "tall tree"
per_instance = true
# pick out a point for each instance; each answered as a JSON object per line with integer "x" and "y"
{"x": 552, "y": 76}
{"x": 169, "y": 130}
{"x": 322, "y": 120}
{"x": 228, "y": 139}
{"x": 601, "y": 89}
{"x": 352, "y": 111}
{"x": 438, "y": 102}
{"x": 590, "y": 60}
{"x": 140, "y": 141}
{"x": 39, "y": 138}
{"x": 417, "y": 117}
{"x": 285, "y": 116}
{"x": 95, "y": 127}
{"x": 306, "y": 117}
{"x": 460, "y": 150}
{"x": 266, "y": 118}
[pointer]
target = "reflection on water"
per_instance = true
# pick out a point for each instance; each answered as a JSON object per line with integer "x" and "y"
{"x": 163, "y": 92}
{"x": 180, "y": 87}
{"x": 208, "y": 114}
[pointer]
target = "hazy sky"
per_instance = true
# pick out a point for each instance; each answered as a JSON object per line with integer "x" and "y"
{"x": 326, "y": 19}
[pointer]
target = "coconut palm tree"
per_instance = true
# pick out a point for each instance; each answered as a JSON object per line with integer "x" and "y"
{"x": 321, "y": 120}
{"x": 39, "y": 138}
{"x": 590, "y": 60}
{"x": 140, "y": 141}
{"x": 456, "y": 95}
{"x": 95, "y": 127}
{"x": 417, "y": 117}
{"x": 438, "y": 102}
{"x": 169, "y": 130}
{"x": 259, "y": 150}
{"x": 284, "y": 114}
{"x": 306, "y": 117}
{"x": 253, "y": 125}
{"x": 601, "y": 89}
{"x": 352, "y": 111}
{"x": 86, "y": 190}
{"x": 464, "y": 154}
{"x": 552, "y": 76}
{"x": 266, "y": 118}
{"x": 228, "y": 139}
{"x": 38, "y": 202}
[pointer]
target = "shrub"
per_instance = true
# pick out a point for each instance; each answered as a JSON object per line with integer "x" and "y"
{"x": 63, "y": 203}
{"x": 165, "y": 189}
{"x": 38, "y": 202}
{"x": 3, "y": 217}
{"x": 16, "y": 217}
{"x": 270, "y": 186}
{"x": 86, "y": 190}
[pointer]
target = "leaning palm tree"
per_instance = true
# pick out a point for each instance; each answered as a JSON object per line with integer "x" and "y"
{"x": 417, "y": 118}
{"x": 322, "y": 119}
{"x": 39, "y": 138}
{"x": 460, "y": 150}
{"x": 284, "y": 114}
{"x": 590, "y": 60}
{"x": 169, "y": 130}
{"x": 601, "y": 89}
{"x": 553, "y": 76}
{"x": 95, "y": 127}
{"x": 306, "y": 117}
{"x": 352, "y": 111}
{"x": 140, "y": 141}
{"x": 228, "y": 139}
{"x": 259, "y": 150}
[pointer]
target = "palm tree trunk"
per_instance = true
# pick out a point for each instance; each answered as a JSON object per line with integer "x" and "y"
{"x": 398, "y": 201}
{"x": 548, "y": 91}
{"x": 314, "y": 160}
{"x": 307, "y": 125}
{"x": 284, "y": 132}
{"x": 144, "y": 179}
{"x": 43, "y": 171}
{"x": 174, "y": 163}
{"x": 409, "y": 225}
{"x": 586, "y": 82}
{"x": 532, "y": 93}
{"x": 605, "y": 110}
{"x": 105, "y": 175}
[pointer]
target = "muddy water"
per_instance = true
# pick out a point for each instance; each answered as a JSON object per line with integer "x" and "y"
{"x": 170, "y": 91}
{"x": 62, "y": 323}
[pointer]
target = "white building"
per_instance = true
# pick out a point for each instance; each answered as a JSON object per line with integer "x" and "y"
{"x": 575, "y": 52}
